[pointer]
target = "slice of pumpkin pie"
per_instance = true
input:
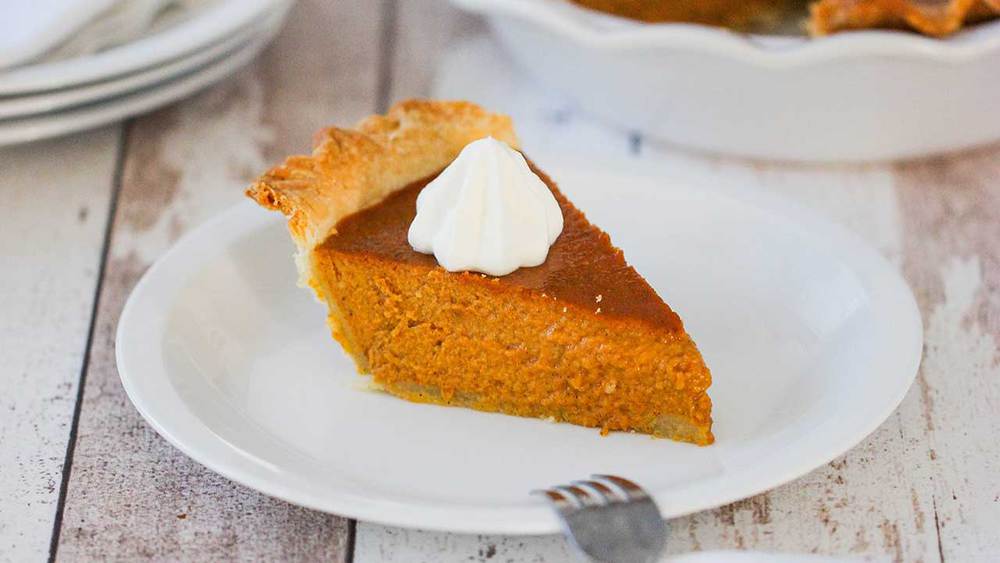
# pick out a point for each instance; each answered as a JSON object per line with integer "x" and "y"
{"x": 456, "y": 273}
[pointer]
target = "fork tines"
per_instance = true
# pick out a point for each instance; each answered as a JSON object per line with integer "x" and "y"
{"x": 610, "y": 519}
{"x": 599, "y": 491}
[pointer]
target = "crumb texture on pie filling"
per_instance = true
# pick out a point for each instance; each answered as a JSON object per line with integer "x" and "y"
{"x": 532, "y": 343}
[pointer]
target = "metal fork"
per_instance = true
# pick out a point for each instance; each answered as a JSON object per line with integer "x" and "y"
{"x": 610, "y": 519}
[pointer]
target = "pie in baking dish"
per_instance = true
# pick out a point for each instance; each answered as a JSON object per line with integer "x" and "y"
{"x": 821, "y": 17}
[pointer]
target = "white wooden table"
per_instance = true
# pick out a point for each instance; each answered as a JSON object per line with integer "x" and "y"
{"x": 82, "y": 477}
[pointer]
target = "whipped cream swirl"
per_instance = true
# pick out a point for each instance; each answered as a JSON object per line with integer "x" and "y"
{"x": 486, "y": 212}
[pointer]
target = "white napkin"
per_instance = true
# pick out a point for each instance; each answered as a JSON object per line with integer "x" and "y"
{"x": 32, "y": 30}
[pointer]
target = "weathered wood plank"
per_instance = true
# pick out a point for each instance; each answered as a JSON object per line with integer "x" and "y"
{"x": 377, "y": 543}
{"x": 56, "y": 197}
{"x": 951, "y": 214}
{"x": 422, "y": 30}
{"x": 132, "y": 495}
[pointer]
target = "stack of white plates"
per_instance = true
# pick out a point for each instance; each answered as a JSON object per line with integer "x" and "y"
{"x": 192, "y": 50}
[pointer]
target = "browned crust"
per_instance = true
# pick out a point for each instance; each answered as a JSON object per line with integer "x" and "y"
{"x": 936, "y": 19}
{"x": 352, "y": 169}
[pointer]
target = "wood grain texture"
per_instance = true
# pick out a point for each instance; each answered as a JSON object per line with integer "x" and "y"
{"x": 56, "y": 196}
{"x": 421, "y": 30}
{"x": 131, "y": 495}
{"x": 387, "y": 543}
{"x": 951, "y": 213}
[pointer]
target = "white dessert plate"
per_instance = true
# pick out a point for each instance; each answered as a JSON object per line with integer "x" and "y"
{"x": 192, "y": 31}
{"x": 55, "y": 100}
{"x": 812, "y": 338}
{"x": 32, "y": 128}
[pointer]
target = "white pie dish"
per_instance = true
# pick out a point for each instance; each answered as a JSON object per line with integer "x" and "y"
{"x": 812, "y": 337}
{"x": 858, "y": 96}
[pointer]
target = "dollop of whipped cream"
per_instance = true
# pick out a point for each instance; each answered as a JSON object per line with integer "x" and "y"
{"x": 486, "y": 212}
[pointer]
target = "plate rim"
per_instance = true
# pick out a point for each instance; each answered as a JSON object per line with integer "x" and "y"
{"x": 31, "y": 128}
{"x": 216, "y": 23}
{"x": 65, "y": 99}
{"x": 537, "y": 519}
